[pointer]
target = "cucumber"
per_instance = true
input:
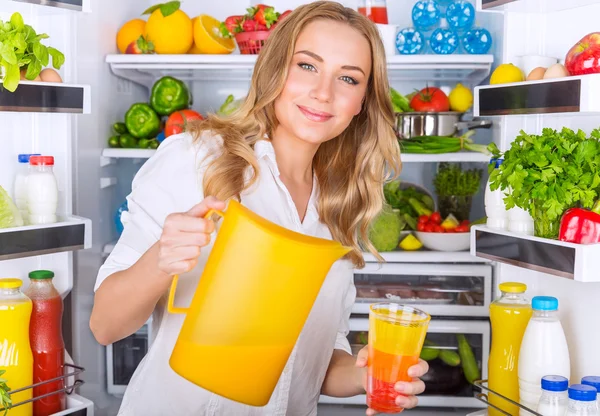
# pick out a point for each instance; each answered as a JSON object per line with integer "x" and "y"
{"x": 469, "y": 363}
{"x": 450, "y": 357}
{"x": 429, "y": 354}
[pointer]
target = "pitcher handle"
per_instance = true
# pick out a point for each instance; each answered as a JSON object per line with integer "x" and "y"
{"x": 171, "y": 303}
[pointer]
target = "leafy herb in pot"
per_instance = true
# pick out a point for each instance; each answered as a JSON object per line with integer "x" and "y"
{"x": 549, "y": 173}
{"x": 455, "y": 189}
{"x": 5, "y": 400}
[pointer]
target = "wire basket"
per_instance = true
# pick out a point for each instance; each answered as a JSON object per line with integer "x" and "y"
{"x": 250, "y": 43}
{"x": 484, "y": 398}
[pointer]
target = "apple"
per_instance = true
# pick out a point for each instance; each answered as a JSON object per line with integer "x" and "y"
{"x": 140, "y": 46}
{"x": 584, "y": 56}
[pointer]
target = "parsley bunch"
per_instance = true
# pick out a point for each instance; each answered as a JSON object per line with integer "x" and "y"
{"x": 551, "y": 172}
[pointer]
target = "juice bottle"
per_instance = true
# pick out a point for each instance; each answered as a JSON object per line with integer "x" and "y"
{"x": 375, "y": 10}
{"x": 45, "y": 335}
{"x": 509, "y": 315}
{"x": 15, "y": 352}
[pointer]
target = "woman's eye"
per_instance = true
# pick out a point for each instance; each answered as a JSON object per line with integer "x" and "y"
{"x": 307, "y": 67}
{"x": 349, "y": 80}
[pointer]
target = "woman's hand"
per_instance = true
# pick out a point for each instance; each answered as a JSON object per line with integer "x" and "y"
{"x": 184, "y": 234}
{"x": 408, "y": 390}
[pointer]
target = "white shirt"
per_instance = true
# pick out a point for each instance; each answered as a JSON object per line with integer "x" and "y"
{"x": 171, "y": 181}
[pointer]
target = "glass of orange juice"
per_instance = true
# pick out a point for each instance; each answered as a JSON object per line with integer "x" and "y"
{"x": 396, "y": 336}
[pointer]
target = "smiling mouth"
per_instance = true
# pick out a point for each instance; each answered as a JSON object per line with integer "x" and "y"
{"x": 314, "y": 115}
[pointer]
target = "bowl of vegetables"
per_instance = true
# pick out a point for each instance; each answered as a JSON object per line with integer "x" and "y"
{"x": 443, "y": 235}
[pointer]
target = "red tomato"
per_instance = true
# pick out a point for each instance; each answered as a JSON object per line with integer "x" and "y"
{"x": 436, "y": 217}
{"x": 429, "y": 228}
{"x": 438, "y": 229}
{"x": 462, "y": 229}
{"x": 430, "y": 99}
{"x": 421, "y": 226}
{"x": 464, "y": 222}
{"x": 179, "y": 120}
{"x": 423, "y": 218}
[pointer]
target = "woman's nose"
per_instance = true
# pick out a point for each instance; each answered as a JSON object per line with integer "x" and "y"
{"x": 322, "y": 90}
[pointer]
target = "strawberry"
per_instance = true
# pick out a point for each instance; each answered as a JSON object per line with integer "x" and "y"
{"x": 231, "y": 26}
{"x": 265, "y": 15}
{"x": 140, "y": 47}
{"x": 252, "y": 25}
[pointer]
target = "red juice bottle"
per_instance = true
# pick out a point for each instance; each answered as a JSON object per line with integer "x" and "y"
{"x": 375, "y": 10}
{"x": 47, "y": 345}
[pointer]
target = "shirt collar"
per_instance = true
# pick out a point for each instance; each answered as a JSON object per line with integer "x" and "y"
{"x": 264, "y": 149}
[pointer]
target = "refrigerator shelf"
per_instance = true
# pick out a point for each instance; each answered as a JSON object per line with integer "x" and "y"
{"x": 483, "y": 397}
{"x": 146, "y": 69}
{"x": 69, "y": 234}
{"x": 76, "y": 5}
{"x": 578, "y": 262}
{"x": 46, "y": 97}
{"x": 426, "y": 256}
{"x": 128, "y": 153}
{"x": 424, "y": 401}
{"x": 531, "y": 6}
{"x": 568, "y": 95}
{"x": 475, "y": 157}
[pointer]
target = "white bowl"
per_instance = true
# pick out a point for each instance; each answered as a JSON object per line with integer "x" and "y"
{"x": 445, "y": 241}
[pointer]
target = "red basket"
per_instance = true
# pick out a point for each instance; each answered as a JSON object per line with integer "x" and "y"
{"x": 250, "y": 43}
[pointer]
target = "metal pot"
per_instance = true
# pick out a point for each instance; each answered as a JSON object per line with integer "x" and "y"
{"x": 447, "y": 123}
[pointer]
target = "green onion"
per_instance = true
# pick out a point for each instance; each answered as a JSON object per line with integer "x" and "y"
{"x": 441, "y": 144}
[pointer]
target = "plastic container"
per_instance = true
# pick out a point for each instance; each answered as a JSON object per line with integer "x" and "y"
{"x": 554, "y": 400}
{"x": 582, "y": 401}
{"x": 593, "y": 381}
{"x": 495, "y": 210}
{"x": 444, "y": 41}
{"x": 117, "y": 218}
{"x": 544, "y": 350}
{"x": 409, "y": 41}
{"x": 388, "y": 37}
{"x": 20, "y": 185}
{"x": 460, "y": 15}
{"x": 15, "y": 357}
{"x": 374, "y": 10}
{"x": 519, "y": 221}
{"x": 426, "y": 15}
{"x": 42, "y": 190}
{"x": 250, "y": 43}
{"x": 47, "y": 345}
{"x": 477, "y": 41}
{"x": 509, "y": 315}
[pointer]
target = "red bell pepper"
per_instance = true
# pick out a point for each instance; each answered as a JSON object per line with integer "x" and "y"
{"x": 581, "y": 226}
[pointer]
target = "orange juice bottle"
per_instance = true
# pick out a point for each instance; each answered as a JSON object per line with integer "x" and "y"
{"x": 510, "y": 315}
{"x": 15, "y": 353}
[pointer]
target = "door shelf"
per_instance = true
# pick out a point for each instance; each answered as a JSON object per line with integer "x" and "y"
{"x": 76, "y": 5}
{"x": 571, "y": 95}
{"x": 70, "y": 234}
{"x": 46, "y": 97}
{"x": 146, "y": 69}
{"x": 425, "y": 256}
{"x": 128, "y": 153}
{"x": 578, "y": 262}
{"x": 531, "y": 6}
{"x": 424, "y": 401}
{"x": 446, "y": 157}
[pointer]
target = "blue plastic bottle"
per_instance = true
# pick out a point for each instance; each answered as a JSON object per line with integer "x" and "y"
{"x": 477, "y": 41}
{"x": 426, "y": 15}
{"x": 409, "y": 41}
{"x": 443, "y": 41}
{"x": 460, "y": 15}
{"x": 117, "y": 217}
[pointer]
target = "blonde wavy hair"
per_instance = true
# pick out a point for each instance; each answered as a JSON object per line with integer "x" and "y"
{"x": 351, "y": 168}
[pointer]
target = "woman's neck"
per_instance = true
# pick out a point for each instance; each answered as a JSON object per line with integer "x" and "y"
{"x": 294, "y": 156}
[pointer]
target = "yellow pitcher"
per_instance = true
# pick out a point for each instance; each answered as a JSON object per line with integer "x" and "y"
{"x": 257, "y": 289}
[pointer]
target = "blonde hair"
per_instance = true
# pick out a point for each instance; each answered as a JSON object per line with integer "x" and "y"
{"x": 350, "y": 168}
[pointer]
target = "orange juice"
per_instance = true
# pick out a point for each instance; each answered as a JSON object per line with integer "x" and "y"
{"x": 396, "y": 336}
{"x": 509, "y": 315}
{"x": 15, "y": 352}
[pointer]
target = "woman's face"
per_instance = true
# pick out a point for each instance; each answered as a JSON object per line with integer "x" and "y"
{"x": 326, "y": 82}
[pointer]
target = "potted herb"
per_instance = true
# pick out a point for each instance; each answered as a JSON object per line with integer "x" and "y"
{"x": 5, "y": 400}
{"x": 455, "y": 189}
{"x": 549, "y": 173}
{"x": 21, "y": 49}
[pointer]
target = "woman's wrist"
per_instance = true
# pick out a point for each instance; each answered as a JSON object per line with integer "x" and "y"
{"x": 361, "y": 379}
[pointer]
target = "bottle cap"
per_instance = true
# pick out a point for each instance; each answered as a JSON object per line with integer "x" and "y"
{"x": 593, "y": 381}
{"x": 41, "y": 160}
{"x": 10, "y": 283}
{"x": 582, "y": 393}
{"x": 513, "y": 287}
{"x": 555, "y": 383}
{"x": 544, "y": 303}
{"x": 24, "y": 157}
{"x": 41, "y": 274}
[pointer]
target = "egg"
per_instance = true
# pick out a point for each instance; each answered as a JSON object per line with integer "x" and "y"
{"x": 556, "y": 71}
{"x": 536, "y": 74}
{"x": 50, "y": 75}
{"x": 24, "y": 71}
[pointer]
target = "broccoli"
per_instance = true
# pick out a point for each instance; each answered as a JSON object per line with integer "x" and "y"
{"x": 385, "y": 230}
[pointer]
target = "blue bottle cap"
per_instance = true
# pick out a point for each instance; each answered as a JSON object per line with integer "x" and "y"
{"x": 593, "y": 381}
{"x": 555, "y": 383}
{"x": 582, "y": 393}
{"x": 544, "y": 303}
{"x": 24, "y": 157}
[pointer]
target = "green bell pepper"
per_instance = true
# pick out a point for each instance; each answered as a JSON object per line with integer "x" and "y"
{"x": 142, "y": 121}
{"x": 168, "y": 95}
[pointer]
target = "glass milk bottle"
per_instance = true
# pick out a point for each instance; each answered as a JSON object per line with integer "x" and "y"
{"x": 42, "y": 190}
{"x": 20, "y": 185}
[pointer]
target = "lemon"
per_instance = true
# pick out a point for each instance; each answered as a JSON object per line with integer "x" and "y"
{"x": 170, "y": 35}
{"x": 461, "y": 98}
{"x": 130, "y": 32}
{"x": 507, "y": 73}
{"x": 450, "y": 222}
{"x": 410, "y": 243}
{"x": 207, "y": 37}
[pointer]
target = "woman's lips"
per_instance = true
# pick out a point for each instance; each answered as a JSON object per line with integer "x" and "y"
{"x": 314, "y": 115}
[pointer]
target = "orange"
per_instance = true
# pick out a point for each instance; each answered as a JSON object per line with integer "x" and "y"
{"x": 171, "y": 34}
{"x": 207, "y": 37}
{"x": 130, "y": 32}
{"x": 194, "y": 50}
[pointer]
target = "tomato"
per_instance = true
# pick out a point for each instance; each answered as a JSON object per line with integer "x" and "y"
{"x": 462, "y": 229}
{"x": 179, "y": 120}
{"x": 421, "y": 226}
{"x": 430, "y": 99}
{"x": 436, "y": 218}
{"x": 429, "y": 228}
{"x": 438, "y": 229}
{"x": 423, "y": 218}
{"x": 464, "y": 222}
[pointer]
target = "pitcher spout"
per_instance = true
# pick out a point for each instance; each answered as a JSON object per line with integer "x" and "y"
{"x": 340, "y": 251}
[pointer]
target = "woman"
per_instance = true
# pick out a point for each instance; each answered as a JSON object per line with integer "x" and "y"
{"x": 308, "y": 151}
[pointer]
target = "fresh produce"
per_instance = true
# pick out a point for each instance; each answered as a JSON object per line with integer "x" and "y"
{"x": 127, "y": 141}
{"x": 450, "y": 358}
{"x": 433, "y": 224}
{"x": 169, "y": 28}
{"x": 460, "y": 98}
{"x": 230, "y": 105}
{"x": 168, "y": 95}
{"x": 178, "y": 121}
{"x": 430, "y": 99}
{"x": 410, "y": 243}
{"x": 399, "y": 102}
{"x": 418, "y": 206}
{"x": 556, "y": 71}
{"x": 208, "y": 36}
{"x": 232, "y": 25}
{"x": 119, "y": 128}
{"x": 536, "y": 74}
{"x": 399, "y": 199}
{"x": 442, "y": 144}
{"x": 114, "y": 141}
{"x": 261, "y": 17}
{"x": 50, "y": 75}
{"x": 142, "y": 121}
{"x": 5, "y": 400}
{"x": 385, "y": 230}
{"x": 429, "y": 354}
{"x": 469, "y": 363}
{"x": 10, "y": 216}
{"x": 581, "y": 226}
{"x": 140, "y": 47}
{"x": 506, "y": 73}
{"x": 22, "y": 48}
{"x": 130, "y": 32}
{"x": 450, "y": 223}
{"x": 584, "y": 57}
{"x": 452, "y": 180}
{"x": 549, "y": 173}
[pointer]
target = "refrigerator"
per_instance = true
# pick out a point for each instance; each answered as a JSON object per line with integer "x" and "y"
{"x": 72, "y": 121}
